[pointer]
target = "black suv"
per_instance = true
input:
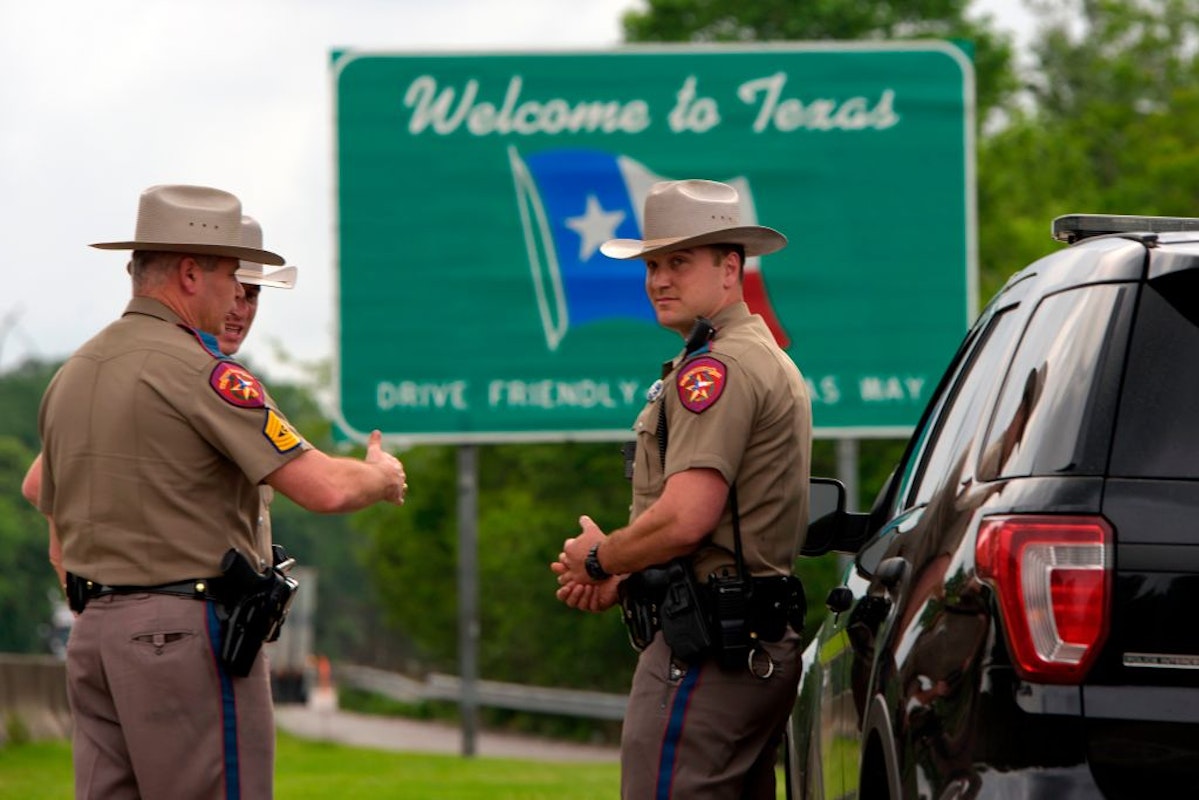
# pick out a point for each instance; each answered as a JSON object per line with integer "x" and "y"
{"x": 1021, "y": 618}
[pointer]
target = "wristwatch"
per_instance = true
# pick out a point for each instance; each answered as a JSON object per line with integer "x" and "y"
{"x": 595, "y": 570}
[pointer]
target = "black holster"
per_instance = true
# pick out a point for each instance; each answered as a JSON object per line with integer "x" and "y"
{"x": 666, "y": 597}
{"x": 257, "y": 612}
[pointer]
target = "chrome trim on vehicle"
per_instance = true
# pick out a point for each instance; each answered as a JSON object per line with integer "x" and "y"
{"x": 1161, "y": 661}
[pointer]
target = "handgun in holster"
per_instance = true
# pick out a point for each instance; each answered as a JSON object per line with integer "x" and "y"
{"x": 259, "y": 607}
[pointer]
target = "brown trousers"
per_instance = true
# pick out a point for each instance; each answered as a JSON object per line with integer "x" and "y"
{"x": 702, "y": 732}
{"x": 155, "y": 716}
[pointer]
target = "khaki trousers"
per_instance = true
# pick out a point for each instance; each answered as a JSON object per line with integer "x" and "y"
{"x": 155, "y": 716}
{"x": 702, "y": 732}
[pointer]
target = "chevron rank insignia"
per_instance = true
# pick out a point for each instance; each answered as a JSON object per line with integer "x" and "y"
{"x": 280, "y": 434}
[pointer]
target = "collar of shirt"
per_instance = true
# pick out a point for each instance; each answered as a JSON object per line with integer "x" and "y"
{"x": 152, "y": 308}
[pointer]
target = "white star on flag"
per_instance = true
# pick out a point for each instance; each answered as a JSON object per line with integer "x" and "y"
{"x": 594, "y": 227}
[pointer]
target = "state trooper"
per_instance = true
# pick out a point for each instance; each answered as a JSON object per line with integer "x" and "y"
{"x": 230, "y": 338}
{"x": 154, "y": 445}
{"x": 720, "y": 468}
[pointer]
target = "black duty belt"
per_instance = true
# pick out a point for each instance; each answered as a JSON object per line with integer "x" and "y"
{"x": 81, "y": 590}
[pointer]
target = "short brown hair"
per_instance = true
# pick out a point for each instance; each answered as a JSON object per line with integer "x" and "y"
{"x": 148, "y": 266}
{"x": 722, "y": 250}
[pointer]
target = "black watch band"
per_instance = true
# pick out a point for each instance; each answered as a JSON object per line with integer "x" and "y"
{"x": 595, "y": 570}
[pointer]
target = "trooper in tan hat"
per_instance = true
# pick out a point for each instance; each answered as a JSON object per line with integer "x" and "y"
{"x": 253, "y": 277}
{"x": 720, "y": 495}
{"x": 154, "y": 448}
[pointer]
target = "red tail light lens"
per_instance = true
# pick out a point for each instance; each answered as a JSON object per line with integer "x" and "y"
{"x": 1053, "y": 578}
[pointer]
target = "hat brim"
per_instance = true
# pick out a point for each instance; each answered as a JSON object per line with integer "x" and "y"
{"x": 228, "y": 251}
{"x": 283, "y": 278}
{"x": 757, "y": 240}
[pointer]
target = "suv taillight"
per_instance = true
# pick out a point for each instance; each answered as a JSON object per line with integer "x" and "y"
{"x": 1053, "y": 578}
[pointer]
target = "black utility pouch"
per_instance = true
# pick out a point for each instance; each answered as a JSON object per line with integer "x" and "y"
{"x": 730, "y": 619}
{"x": 78, "y": 592}
{"x": 684, "y": 623}
{"x": 777, "y": 602}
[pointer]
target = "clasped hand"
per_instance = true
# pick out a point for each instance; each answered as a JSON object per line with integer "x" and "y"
{"x": 575, "y": 587}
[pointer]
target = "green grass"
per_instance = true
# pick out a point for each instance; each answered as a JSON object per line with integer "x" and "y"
{"x": 307, "y": 770}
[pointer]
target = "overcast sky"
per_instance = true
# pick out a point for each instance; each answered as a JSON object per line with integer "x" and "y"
{"x": 99, "y": 100}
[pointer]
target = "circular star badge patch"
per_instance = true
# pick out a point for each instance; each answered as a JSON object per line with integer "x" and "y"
{"x": 237, "y": 386}
{"x": 700, "y": 383}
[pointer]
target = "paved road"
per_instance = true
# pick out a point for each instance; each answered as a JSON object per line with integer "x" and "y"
{"x": 394, "y": 733}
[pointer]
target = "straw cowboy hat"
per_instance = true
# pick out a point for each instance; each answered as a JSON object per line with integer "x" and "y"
{"x": 682, "y": 214}
{"x": 252, "y": 272}
{"x": 191, "y": 219}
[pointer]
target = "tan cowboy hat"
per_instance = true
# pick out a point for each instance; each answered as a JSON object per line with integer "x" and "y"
{"x": 681, "y": 214}
{"x": 252, "y": 272}
{"x": 191, "y": 219}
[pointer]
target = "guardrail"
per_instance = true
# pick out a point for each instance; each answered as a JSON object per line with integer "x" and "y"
{"x": 33, "y": 695}
{"x": 544, "y": 700}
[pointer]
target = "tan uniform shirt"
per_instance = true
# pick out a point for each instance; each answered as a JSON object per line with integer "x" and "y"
{"x": 153, "y": 449}
{"x": 742, "y": 408}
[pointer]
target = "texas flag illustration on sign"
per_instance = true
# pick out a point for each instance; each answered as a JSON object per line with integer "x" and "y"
{"x": 571, "y": 202}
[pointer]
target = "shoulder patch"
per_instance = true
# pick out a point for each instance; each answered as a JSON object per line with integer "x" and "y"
{"x": 700, "y": 383}
{"x": 236, "y": 385}
{"x": 280, "y": 434}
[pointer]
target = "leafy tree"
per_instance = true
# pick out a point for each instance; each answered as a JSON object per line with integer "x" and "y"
{"x": 1106, "y": 126}
{"x": 530, "y": 497}
{"x": 21, "y": 391}
{"x": 27, "y": 583}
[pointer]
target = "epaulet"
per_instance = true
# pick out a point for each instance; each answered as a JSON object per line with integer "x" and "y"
{"x": 206, "y": 340}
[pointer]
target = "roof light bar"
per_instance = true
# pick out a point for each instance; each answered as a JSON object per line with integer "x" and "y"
{"x": 1072, "y": 228}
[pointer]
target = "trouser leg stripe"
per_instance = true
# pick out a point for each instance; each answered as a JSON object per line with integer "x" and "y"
{"x": 228, "y": 709}
{"x": 674, "y": 732}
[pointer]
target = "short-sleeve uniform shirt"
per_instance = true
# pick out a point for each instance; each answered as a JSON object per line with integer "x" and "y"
{"x": 154, "y": 446}
{"x": 741, "y": 408}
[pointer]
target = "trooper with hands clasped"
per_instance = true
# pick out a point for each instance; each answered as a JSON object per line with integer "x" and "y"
{"x": 154, "y": 445}
{"x": 720, "y": 472}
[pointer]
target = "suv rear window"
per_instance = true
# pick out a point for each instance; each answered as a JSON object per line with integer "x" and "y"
{"x": 1054, "y": 414}
{"x": 1157, "y": 435}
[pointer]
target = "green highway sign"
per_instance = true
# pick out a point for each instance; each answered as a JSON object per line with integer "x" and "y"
{"x": 473, "y": 192}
